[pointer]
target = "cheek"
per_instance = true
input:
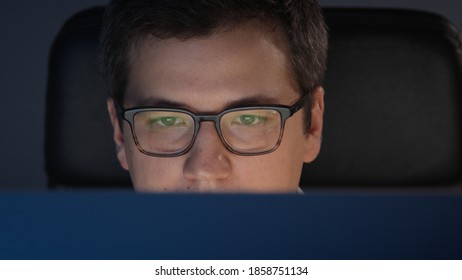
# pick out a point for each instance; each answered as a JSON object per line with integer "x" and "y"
{"x": 290, "y": 154}
{"x": 155, "y": 174}
{"x": 275, "y": 171}
{"x": 152, "y": 173}
{"x": 268, "y": 173}
{"x": 294, "y": 141}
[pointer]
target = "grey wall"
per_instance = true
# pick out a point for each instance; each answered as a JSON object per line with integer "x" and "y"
{"x": 27, "y": 29}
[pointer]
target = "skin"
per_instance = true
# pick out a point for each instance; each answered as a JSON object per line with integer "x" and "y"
{"x": 246, "y": 65}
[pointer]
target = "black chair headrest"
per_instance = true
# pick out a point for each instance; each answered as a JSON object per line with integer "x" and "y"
{"x": 393, "y": 103}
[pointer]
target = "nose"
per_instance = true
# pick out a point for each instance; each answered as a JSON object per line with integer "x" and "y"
{"x": 208, "y": 160}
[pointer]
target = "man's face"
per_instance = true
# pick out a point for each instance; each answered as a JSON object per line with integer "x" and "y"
{"x": 206, "y": 75}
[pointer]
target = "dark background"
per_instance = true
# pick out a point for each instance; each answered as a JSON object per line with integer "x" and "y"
{"x": 27, "y": 30}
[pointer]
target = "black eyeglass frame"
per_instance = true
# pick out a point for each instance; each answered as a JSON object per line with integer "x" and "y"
{"x": 284, "y": 111}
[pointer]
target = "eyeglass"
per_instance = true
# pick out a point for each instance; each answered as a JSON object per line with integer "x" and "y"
{"x": 169, "y": 132}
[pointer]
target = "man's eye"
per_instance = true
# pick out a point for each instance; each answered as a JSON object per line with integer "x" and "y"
{"x": 249, "y": 120}
{"x": 167, "y": 121}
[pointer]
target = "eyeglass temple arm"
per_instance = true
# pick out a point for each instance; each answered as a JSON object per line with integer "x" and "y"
{"x": 120, "y": 110}
{"x": 299, "y": 104}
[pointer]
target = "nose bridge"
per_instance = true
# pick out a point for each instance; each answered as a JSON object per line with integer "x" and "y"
{"x": 208, "y": 118}
{"x": 215, "y": 119}
{"x": 209, "y": 134}
{"x": 208, "y": 159}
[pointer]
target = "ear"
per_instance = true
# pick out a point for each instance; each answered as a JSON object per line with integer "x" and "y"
{"x": 313, "y": 136}
{"x": 118, "y": 134}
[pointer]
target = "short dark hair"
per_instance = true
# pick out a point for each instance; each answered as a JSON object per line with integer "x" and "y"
{"x": 128, "y": 21}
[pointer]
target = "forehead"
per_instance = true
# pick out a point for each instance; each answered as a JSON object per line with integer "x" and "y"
{"x": 244, "y": 62}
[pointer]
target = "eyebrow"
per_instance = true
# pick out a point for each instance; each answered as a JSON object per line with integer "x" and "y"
{"x": 258, "y": 100}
